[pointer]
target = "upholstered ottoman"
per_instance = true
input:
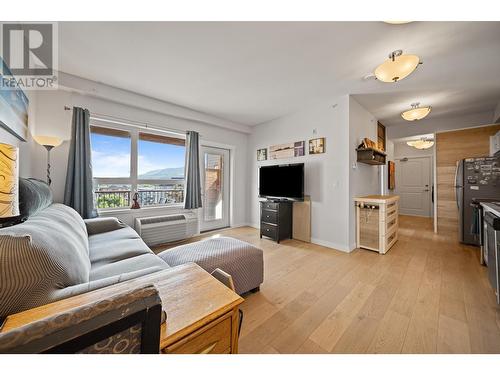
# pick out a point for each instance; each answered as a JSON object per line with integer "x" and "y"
{"x": 241, "y": 260}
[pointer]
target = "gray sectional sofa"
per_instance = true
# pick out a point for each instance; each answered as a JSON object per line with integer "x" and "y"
{"x": 55, "y": 254}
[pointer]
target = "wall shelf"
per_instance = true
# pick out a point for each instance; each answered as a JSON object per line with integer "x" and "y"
{"x": 371, "y": 156}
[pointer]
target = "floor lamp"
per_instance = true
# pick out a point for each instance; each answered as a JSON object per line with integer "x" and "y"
{"x": 49, "y": 143}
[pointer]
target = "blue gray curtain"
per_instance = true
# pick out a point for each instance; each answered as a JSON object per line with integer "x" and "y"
{"x": 192, "y": 186}
{"x": 78, "y": 192}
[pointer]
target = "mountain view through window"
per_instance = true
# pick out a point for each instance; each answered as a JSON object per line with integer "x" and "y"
{"x": 158, "y": 176}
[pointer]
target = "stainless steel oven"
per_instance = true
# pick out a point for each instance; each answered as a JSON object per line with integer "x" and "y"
{"x": 478, "y": 228}
{"x": 492, "y": 243}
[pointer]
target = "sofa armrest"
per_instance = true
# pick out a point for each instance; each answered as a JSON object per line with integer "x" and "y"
{"x": 78, "y": 289}
{"x": 102, "y": 225}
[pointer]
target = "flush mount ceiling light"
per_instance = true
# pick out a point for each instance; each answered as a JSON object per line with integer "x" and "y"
{"x": 421, "y": 144}
{"x": 416, "y": 112}
{"x": 397, "y": 67}
{"x": 394, "y": 22}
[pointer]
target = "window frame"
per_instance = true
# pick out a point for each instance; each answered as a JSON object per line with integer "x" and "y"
{"x": 133, "y": 179}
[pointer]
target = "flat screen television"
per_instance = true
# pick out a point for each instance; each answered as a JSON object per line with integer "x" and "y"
{"x": 285, "y": 181}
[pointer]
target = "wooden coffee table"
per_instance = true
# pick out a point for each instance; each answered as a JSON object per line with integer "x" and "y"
{"x": 202, "y": 313}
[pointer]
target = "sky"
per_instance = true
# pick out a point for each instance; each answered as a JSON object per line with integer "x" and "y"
{"x": 111, "y": 156}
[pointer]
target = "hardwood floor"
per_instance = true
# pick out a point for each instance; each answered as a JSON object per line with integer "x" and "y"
{"x": 428, "y": 294}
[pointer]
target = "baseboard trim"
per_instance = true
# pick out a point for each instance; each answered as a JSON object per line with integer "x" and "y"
{"x": 317, "y": 241}
{"x": 239, "y": 225}
{"x": 331, "y": 245}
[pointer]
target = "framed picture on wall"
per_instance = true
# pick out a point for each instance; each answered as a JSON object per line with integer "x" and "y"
{"x": 299, "y": 148}
{"x": 391, "y": 167}
{"x": 13, "y": 107}
{"x": 262, "y": 154}
{"x": 285, "y": 150}
{"x": 317, "y": 146}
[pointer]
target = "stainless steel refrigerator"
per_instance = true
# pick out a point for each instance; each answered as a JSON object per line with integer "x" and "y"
{"x": 475, "y": 179}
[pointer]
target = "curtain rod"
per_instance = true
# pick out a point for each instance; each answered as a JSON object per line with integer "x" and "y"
{"x": 136, "y": 124}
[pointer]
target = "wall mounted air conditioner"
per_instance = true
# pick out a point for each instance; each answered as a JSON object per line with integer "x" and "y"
{"x": 157, "y": 230}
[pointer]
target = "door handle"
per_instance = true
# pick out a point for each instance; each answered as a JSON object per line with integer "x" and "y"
{"x": 426, "y": 190}
{"x": 457, "y": 185}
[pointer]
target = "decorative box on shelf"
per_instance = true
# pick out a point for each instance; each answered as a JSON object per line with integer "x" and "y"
{"x": 371, "y": 156}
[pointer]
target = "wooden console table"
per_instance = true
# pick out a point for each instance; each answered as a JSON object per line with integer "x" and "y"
{"x": 202, "y": 313}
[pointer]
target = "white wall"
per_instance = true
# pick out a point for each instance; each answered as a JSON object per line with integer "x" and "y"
{"x": 52, "y": 119}
{"x": 402, "y": 150}
{"x": 364, "y": 179}
{"x": 326, "y": 175}
{"x": 427, "y": 126}
{"x": 330, "y": 179}
{"x": 132, "y": 99}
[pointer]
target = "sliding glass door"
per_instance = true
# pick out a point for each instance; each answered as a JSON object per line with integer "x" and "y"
{"x": 215, "y": 178}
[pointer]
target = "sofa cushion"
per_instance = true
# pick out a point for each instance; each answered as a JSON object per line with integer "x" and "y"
{"x": 103, "y": 224}
{"x": 116, "y": 245}
{"x": 120, "y": 251}
{"x": 136, "y": 263}
{"x": 48, "y": 251}
{"x": 34, "y": 195}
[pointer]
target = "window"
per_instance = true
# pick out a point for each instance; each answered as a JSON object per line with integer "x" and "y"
{"x": 129, "y": 161}
{"x": 110, "y": 152}
{"x": 213, "y": 187}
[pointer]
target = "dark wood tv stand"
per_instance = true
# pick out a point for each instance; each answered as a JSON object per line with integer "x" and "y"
{"x": 276, "y": 219}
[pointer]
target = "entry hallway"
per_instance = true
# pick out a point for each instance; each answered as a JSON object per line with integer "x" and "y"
{"x": 428, "y": 294}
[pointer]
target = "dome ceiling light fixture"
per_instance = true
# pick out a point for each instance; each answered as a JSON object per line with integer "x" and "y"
{"x": 421, "y": 144}
{"x": 396, "y": 22}
{"x": 416, "y": 112}
{"x": 398, "y": 66}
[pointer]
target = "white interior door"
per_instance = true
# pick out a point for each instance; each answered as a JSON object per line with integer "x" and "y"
{"x": 413, "y": 185}
{"x": 215, "y": 179}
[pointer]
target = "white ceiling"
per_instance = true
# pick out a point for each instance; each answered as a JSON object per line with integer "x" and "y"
{"x": 252, "y": 72}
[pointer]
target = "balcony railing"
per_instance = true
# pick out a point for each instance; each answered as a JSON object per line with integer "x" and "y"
{"x": 123, "y": 198}
{"x": 166, "y": 196}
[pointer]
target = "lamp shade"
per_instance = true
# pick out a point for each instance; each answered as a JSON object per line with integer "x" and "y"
{"x": 46, "y": 140}
{"x": 416, "y": 112}
{"x": 398, "y": 66}
{"x": 421, "y": 144}
{"x": 9, "y": 181}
